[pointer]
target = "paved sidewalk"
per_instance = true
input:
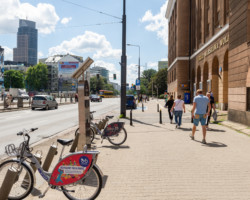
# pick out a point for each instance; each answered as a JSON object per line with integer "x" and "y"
{"x": 159, "y": 162}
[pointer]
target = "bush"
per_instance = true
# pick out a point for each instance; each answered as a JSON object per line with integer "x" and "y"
{"x": 162, "y": 96}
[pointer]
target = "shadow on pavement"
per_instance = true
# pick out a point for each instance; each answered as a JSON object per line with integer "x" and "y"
{"x": 140, "y": 122}
{"x": 35, "y": 192}
{"x": 115, "y": 147}
{"x": 185, "y": 129}
{"x": 212, "y": 144}
{"x": 215, "y": 130}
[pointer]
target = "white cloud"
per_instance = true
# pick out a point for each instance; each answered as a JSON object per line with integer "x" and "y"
{"x": 89, "y": 42}
{"x": 153, "y": 65}
{"x": 12, "y": 10}
{"x": 132, "y": 73}
{"x": 157, "y": 23}
{"x": 8, "y": 53}
{"x": 66, "y": 20}
{"x": 40, "y": 54}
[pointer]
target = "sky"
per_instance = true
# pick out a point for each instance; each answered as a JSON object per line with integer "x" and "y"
{"x": 92, "y": 28}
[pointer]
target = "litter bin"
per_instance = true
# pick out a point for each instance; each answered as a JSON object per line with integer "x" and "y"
{"x": 187, "y": 97}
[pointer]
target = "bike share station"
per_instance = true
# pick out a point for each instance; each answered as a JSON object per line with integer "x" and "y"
{"x": 76, "y": 174}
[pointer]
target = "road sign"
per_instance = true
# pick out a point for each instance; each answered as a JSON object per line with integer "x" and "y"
{"x": 137, "y": 82}
{"x": 138, "y": 87}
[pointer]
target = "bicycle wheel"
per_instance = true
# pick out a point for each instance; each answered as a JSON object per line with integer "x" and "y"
{"x": 86, "y": 189}
{"x": 118, "y": 138}
{"x": 92, "y": 133}
{"x": 24, "y": 182}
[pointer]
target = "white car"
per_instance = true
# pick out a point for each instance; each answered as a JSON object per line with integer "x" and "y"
{"x": 44, "y": 101}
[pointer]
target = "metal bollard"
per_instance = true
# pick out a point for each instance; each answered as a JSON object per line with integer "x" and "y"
{"x": 51, "y": 153}
{"x": 157, "y": 107}
{"x": 74, "y": 144}
{"x": 8, "y": 182}
{"x": 142, "y": 107}
{"x": 131, "y": 118}
{"x": 160, "y": 117}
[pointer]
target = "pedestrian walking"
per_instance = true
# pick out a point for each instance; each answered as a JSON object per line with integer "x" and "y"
{"x": 178, "y": 109}
{"x": 76, "y": 97}
{"x": 170, "y": 104}
{"x": 211, "y": 99}
{"x": 200, "y": 113}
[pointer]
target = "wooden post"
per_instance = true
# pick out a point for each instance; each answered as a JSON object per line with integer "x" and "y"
{"x": 83, "y": 104}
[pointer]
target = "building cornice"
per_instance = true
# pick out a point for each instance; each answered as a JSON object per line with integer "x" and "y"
{"x": 170, "y": 8}
{"x": 215, "y": 37}
{"x": 177, "y": 59}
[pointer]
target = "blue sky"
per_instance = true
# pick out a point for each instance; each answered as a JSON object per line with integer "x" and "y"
{"x": 64, "y": 27}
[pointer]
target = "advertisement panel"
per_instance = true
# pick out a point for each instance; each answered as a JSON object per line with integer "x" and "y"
{"x": 65, "y": 70}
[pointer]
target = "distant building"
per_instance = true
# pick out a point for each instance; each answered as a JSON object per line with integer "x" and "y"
{"x": 162, "y": 65}
{"x": 26, "y": 50}
{"x": 116, "y": 86}
{"x": 99, "y": 70}
{"x": 60, "y": 69}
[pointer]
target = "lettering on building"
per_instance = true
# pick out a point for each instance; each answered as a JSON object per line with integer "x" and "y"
{"x": 214, "y": 47}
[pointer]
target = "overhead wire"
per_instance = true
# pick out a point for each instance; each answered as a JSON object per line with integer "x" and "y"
{"x": 91, "y": 9}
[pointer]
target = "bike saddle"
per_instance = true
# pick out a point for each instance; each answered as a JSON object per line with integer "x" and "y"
{"x": 64, "y": 142}
{"x": 110, "y": 117}
{"x": 92, "y": 112}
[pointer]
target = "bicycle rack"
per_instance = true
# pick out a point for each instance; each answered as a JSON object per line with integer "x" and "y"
{"x": 8, "y": 182}
{"x": 51, "y": 153}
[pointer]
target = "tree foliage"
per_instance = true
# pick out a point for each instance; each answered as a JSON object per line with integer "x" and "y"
{"x": 159, "y": 81}
{"x": 101, "y": 83}
{"x": 37, "y": 77}
{"x": 148, "y": 74}
{"x": 14, "y": 79}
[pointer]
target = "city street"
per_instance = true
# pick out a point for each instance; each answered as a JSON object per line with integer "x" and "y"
{"x": 49, "y": 122}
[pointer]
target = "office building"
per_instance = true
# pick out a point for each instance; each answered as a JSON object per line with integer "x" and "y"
{"x": 99, "y": 70}
{"x": 209, "y": 49}
{"x": 162, "y": 65}
{"x": 26, "y": 50}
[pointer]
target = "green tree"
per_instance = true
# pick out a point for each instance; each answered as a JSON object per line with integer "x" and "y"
{"x": 96, "y": 84}
{"x": 37, "y": 77}
{"x": 159, "y": 81}
{"x": 14, "y": 79}
{"x": 148, "y": 74}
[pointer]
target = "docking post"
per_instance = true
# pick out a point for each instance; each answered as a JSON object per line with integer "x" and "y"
{"x": 8, "y": 182}
{"x": 142, "y": 107}
{"x": 51, "y": 153}
{"x": 157, "y": 107}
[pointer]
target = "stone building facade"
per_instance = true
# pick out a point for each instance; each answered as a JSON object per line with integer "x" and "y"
{"x": 209, "y": 49}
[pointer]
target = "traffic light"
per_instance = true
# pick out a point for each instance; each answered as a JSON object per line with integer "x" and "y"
{"x": 97, "y": 76}
{"x": 114, "y": 75}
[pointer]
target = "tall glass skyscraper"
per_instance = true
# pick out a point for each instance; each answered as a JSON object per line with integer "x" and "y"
{"x": 26, "y": 50}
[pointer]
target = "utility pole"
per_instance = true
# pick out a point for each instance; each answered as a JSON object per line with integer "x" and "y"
{"x": 123, "y": 63}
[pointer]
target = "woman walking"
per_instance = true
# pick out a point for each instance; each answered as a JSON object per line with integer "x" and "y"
{"x": 170, "y": 104}
{"x": 178, "y": 108}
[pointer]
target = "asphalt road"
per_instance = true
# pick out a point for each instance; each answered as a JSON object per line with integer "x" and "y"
{"x": 49, "y": 122}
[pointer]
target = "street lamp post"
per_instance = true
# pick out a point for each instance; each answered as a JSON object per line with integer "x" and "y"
{"x": 139, "y": 66}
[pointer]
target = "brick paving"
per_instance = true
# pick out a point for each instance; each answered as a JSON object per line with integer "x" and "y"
{"x": 159, "y": 162}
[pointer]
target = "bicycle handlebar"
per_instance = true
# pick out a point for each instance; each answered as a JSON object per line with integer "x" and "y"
{"x": 22, "y": 132}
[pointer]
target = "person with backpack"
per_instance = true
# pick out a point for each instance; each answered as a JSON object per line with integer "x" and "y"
{"x": 170, "y": 104}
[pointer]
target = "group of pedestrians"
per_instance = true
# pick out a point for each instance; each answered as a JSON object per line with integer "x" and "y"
{"x": 201, "y": 111}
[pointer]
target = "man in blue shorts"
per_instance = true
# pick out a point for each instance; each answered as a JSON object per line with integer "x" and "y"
{"x": 200, "y": 113}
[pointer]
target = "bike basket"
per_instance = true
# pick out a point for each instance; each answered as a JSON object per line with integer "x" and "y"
{"x": 11, "y": 150}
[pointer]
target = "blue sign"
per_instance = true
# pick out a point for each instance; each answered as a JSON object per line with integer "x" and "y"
{"x": 137, "y": 82}
{"x": 84, "y": 161}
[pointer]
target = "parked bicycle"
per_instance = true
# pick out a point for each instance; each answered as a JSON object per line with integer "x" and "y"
{"x": 76, "y": 174}
{"x": 114, "y": 132}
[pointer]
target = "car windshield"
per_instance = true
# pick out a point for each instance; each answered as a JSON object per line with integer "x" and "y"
{"x": 95, "y": 96}
{"x": 39, "y": 98}
{"x": 130, "y": 97}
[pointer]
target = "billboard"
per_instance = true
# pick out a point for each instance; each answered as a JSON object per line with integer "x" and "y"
{"x": 66, "y": 69}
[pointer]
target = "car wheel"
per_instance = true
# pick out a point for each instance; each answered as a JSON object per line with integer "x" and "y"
{"x": 32, "y": 108}
{"x": 47, "y": 107}
{"x": 56, "y": 107}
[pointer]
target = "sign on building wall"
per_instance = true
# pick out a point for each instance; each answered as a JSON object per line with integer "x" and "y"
{"x": 65, "y": 71}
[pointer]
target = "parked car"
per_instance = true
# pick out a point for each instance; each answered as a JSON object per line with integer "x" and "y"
{"x": 131, "y": 101}
{"x": 43, "y": 101}
{"x": 95, "y": 97}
